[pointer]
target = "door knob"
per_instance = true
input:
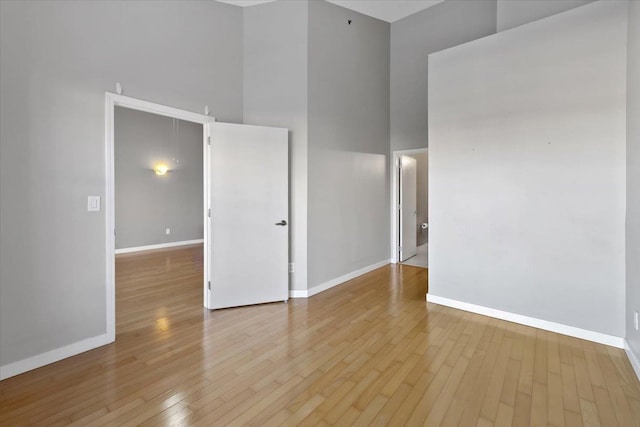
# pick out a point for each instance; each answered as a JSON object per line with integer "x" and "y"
{"x": 283, "y": 223}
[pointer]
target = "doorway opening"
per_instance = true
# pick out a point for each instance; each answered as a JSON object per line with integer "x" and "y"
{"x": 410, "y": 207}
{"x": 245, "y": 206}
{"x": 156, "y": 167}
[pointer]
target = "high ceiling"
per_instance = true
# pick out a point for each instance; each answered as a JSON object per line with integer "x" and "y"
{"x": 386, "y": 10}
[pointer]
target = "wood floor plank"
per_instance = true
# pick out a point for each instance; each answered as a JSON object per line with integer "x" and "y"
{"x": 391, "y": 407}
{"x": 555, "y": 401}
{"x": 522, "y": 410}
{"x": 570, "y": 398}
{"x": 571, "y": 419}
{"x": 510, "y": 383}
{"x": 589, "y": 413}
{"x": 583, "y": 381}
{"x": 443, "y": 397}
{"x": 489, "y": 408}
{"x": 606, "y": 413}
{"x": 614, "y": 389}
{"x": 539, "y": 414}
{"x": 504, "y": 416}
{"x": 368, "y": 352}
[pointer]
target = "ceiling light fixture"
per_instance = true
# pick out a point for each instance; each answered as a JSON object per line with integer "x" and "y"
{"x": 161, "y": 169}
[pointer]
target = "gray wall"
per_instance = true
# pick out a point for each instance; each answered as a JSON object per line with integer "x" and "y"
{"x": 527, "y": 169}
{"x": 275, "y": 94}
{"x": 512, "y": 13}
{"x": 56, "y": 61}
{"x": 348, "y": 142}
{"x": 439, "y": 27}
{"x": 633, "y": 176}
{"x": 422, "y": 164}
{"x": 145, "y": 203}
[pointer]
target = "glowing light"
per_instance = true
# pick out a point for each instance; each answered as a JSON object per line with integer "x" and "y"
{"x": 161, "y": 169}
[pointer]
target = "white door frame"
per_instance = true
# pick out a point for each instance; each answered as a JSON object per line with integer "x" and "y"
{"x": 113, "y": 100}
{"x": 395, "y": 217}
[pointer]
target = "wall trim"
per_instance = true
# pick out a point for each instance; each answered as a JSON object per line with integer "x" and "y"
{"x": 298, "y": 293}
{"x": 158, "y": 246}
{"x": 559, "y": 328}
{"x": 635, "y": 363}
{"x": 337, "y": 281}
{"x": 43, "y": 359}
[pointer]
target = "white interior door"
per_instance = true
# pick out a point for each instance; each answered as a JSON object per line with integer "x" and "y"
{"x": 248, "y": 228}
{"x": 408, "y": 207}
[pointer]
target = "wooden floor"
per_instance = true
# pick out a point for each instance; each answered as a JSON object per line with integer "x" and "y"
{"x": 371, "y": 351}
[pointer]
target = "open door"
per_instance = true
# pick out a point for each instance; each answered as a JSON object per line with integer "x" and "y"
{"x": 248, "y": 245}
{"x": 408, "y": 207}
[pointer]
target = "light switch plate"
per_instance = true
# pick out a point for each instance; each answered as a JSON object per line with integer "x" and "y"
{"x": 93, "y": 204}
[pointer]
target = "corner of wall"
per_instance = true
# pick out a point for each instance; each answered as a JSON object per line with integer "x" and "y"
{"x": 632, "y": 224}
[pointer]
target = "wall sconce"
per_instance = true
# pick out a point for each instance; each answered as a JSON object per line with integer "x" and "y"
{"x": 161, "y": 169}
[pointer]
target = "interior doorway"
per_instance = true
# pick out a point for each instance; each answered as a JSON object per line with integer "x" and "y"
{"x": 156, "y": 166}
{"x": 410, "y": 206}
{"x": 158, "y": 173}
{"x": 245, "y": 199}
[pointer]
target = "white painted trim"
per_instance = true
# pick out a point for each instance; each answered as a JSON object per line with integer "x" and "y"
{"x": 110, "y": 213}
{"x": 206, "y": 219}
{"x": 113, "y": 100}
{"x": 337, "y": 281}
{"x": 21, "y": 366}
{"x": 635, "y": 363}
{"x": 158, "y": 246}
{"x": 162, "y": 110}
{"x": 395, "y": 231}
{"x": 530, "y": 321}
{"x": 296, "y": 293}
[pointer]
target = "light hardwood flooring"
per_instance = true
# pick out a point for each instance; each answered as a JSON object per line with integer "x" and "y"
{"x": 368, "y": 352}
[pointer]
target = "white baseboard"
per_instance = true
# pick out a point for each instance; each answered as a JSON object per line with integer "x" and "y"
{"x": 337, "y": 281}
{"x": 531, "y": 321}
{"x": 158, "y": 246}
{"x": 296, "y": 293}
{"x": 21, "y": 366}
{"x": 635, "y": 363}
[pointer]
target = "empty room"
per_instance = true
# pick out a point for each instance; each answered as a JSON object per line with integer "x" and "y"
{"x": 319, "y": 212}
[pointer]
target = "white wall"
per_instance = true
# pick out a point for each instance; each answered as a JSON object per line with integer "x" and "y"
{"x": 275, "y": 94}
{"x": 57, "y": 58}
{"x": 512, "y": 13}
{"x": 147, "y": 204}
{"x": 413, "y": 38}
{"x": 348, "y": 142}
{"x": 633, "y": 178}
{"x": 527, "y": 169}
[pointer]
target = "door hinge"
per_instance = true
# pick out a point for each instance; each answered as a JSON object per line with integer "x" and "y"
{"x": 209, "y": 213}
{"x": 209, "y": 285}
{"x": 209, "y": 140}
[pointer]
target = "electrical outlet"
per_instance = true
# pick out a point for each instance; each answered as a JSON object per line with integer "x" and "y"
{"x": 167, "y": 231}
{"x": 292, "y": 267}
{"x": 635, "y": 320}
